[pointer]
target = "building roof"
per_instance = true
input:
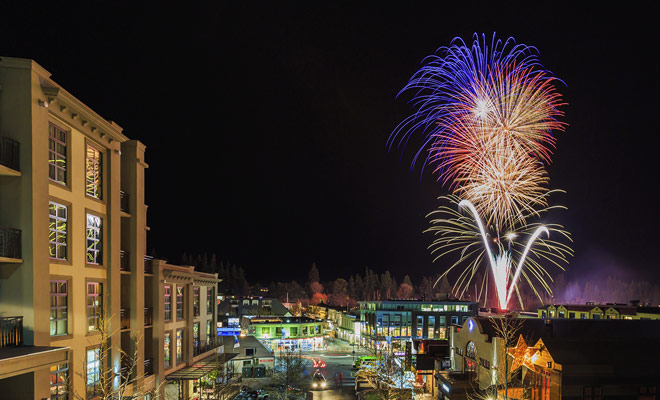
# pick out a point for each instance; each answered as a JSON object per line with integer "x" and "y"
{"x": 631, "y": 361}
{"x": 237, "y": 345}
{"x": 534, "y": 328}
{"x": 283, "y": 320}
{"x": 229, "y": 307}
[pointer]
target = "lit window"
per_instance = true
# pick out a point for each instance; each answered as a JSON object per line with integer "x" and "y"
{"x": 168, "y": 303}
{"x": 58, "y": 308}
{"x": 195, "y": 338}
{"x": 196, "y": 301}
{"x": 94, "y": 242}
{"x": 57, "y": 231}
{"x": 59, "y": 382}
{"x": 94, "y": 305}
{"x": 93, "y": 172}
{"x": 179, "y": 346}
{"x": 179, "y": 302}
{"x": 57, "y": 154}
{"x": 431, "y": 327}
{"x": 209, "y": 335}
{"x": 93, "y": 373}
{"x": 167, "y": 349}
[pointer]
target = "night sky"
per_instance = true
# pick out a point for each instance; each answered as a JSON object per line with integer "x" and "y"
{"x": 266, "y": 124}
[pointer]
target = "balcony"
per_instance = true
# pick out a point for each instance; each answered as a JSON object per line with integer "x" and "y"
{"x": 148, "y": 264}
{"x": 211, "y": 343}
{"x": 10, "y": 245}
{"x": 9, "y": 161}
{"x": 148, "y": 316}
{"x": 124, "y": 264}
{"x": 123, "y": 202}
{"x": 148, "y": 366}
{"x": 11, "y": 332}
{"x": 125, "y": 318}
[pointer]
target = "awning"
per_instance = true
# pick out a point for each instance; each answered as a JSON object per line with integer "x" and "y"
{"x": 200, "y": 368}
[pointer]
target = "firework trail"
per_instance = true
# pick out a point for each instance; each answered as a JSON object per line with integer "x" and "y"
{"x": 486, "y": 114}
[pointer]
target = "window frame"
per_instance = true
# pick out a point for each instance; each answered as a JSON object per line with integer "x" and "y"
{"x": 167, "y": 295}
{"x": 197, "y": 300}
{"x": 54, "y": 220}
{"x": 57, "y": 294}
{"x": 177, "y": 302}
{"x": 209, "y": 300}
{"x": 179, "y": 344}
{"x": 96, "y": 385}
{"x": 98, "y": 191}
{"x": 99, "y": 240}
{"x": 96, "y": 307}
{"x": 168, "y": 354}
{"x": 58, "y": 384}
{"x": 53, "y": 163}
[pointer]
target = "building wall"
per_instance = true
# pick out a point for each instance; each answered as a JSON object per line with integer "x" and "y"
{"x": 24, "y": 204}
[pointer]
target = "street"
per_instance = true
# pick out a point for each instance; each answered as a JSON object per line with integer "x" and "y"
{"x": 338, "y": 358}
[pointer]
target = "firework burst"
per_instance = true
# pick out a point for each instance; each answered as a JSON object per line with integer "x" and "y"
{"x": 487, "y": 113}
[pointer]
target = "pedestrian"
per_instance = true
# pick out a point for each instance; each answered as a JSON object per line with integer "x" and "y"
{"x": 336, "y": 380}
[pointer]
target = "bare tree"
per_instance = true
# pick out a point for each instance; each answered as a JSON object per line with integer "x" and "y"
{"x": 508, "y": 329}
{"x": 289, "y": 372}
{"x": 388, "y": 378}
{"x": 108, "y": 382}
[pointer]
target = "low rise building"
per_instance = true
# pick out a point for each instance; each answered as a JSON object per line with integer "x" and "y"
{"x": 286, "y": 333}
{"x": 599, "y": 311}
{"x": 397, "y": 321}
{"x": 551, "y": 359}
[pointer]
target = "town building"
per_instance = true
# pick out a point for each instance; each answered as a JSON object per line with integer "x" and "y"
{"x": 286, "y": 333}
{"x": 184, "y": 326}
{"x": 551, "y": 359}
{"x": 396, "y": 321}
{"x": 72, "y": 239}
{"x": 232, "y": 309}
{"x": 599, "y": 311}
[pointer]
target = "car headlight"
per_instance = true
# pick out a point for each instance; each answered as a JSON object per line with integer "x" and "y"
{"x": 322, "y": 384}
{"x": 314, "y": 385}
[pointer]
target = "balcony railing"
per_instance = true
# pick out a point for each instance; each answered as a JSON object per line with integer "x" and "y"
{"x": 148, "y": 366}
{"x": 211, "y": 343}
{"x": 125, "y": 318}
{"x": 10, "y": 243}
{"x": 123, "y": 201}
{"x": 124, "y": 261}
{"x": 148, "y": 316}
{"x": 9, "y": 151}
{"x": 11, "y": 331}
{"x": 148, "y": 264}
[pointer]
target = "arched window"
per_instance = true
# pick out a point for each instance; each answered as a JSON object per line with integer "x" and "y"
{"x": 470, "y": 361}
{"x": 471, "y": 350}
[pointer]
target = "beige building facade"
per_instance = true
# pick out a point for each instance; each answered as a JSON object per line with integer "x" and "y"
{"x": 72, "y": 241}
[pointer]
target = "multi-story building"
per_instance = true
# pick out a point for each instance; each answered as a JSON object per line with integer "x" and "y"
{"x": 72, "y": 241}
{"x": 286, "y": 333}
{"x": 394, "y": 321}
{"x": 599, "y": 311}
{"x": 183, "y": 345}
{"x": 72, "y": 254}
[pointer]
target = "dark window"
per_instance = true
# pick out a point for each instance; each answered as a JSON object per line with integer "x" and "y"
{"x": 179, "y": 302}
{"x": 209, "y": 300}
{"x": 591, "y": 393}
